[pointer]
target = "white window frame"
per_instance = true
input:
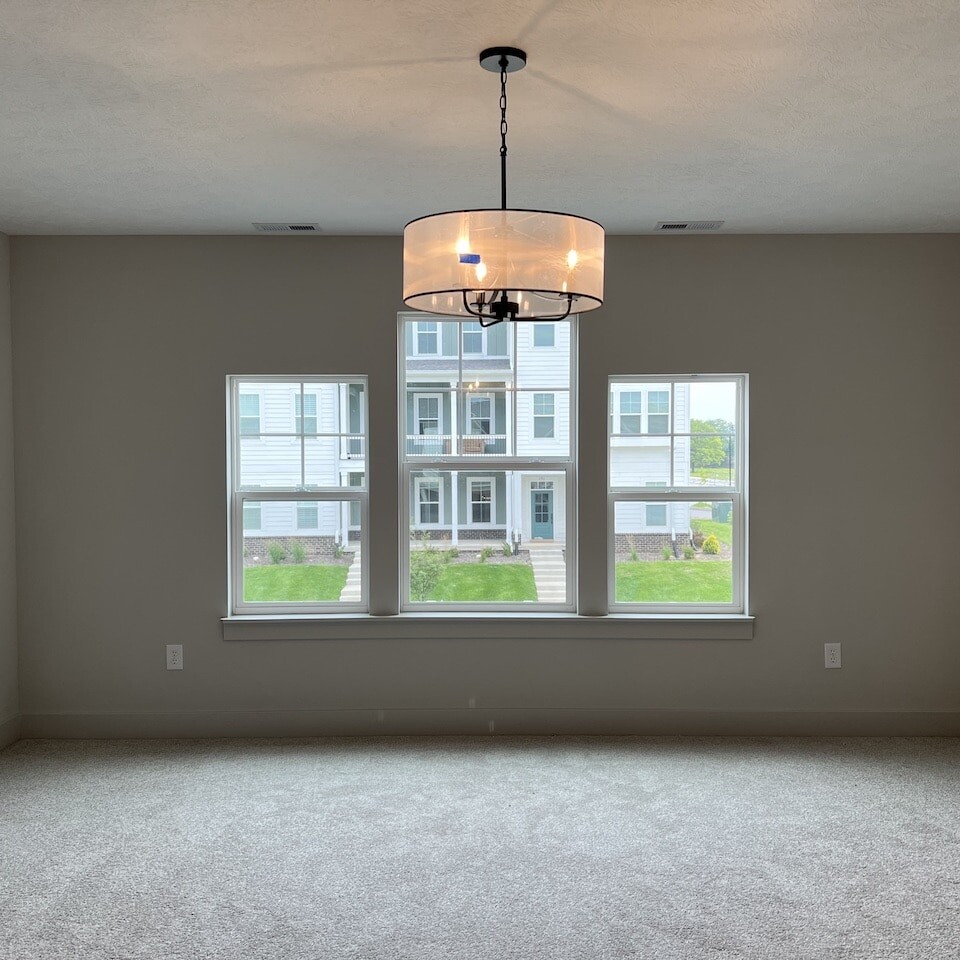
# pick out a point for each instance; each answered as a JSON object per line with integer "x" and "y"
{"x": 418, "y": 420}
{"x": 237, "y": 496}
{"x": 672, "y": 493}
{"x": 471, "y": 417}
{"x": 299, "y": 415}
{"x": 668, "y": 413}
{"x": 306, "y": 505}
{"x": 638, "y": 413}
{"x": 248, "y": 416}
{"x": 481, "y": 332}
{"x": 411, "y": 465}
{"x": 552, "y": 416}
{"x": 436, "y": 333}
{"x": 471, "y": 482}
{"x": 419, "y": 484}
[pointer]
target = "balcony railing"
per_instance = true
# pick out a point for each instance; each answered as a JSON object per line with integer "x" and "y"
{"x": 446, "y": 445}
{"x": 352, "y": 448}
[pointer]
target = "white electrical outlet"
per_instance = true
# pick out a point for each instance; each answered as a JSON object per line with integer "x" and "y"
{"x": 174, "y": 656}
{"x": 831, "y": 656}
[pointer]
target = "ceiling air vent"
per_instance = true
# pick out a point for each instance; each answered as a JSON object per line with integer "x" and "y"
{"x": 287, "y": 227}
{"x": 687, "y": 226}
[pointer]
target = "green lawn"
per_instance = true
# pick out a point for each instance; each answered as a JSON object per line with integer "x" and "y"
{"x": 675, "y": 581}
{"x": 293, "y": 582}
{"x": 485, "y": 582}
{"x": 722, "y": 531}
{"x": 724, "y": 474}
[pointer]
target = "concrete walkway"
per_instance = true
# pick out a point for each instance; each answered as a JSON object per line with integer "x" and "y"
{"x": 549, "y": 571}
{"x": 351, "y": 589}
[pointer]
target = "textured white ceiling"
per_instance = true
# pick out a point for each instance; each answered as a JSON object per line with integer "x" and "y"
{"x": 201, "y": 116}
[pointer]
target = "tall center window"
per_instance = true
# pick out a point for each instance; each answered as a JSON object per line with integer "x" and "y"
{"x": 488, "y": 475}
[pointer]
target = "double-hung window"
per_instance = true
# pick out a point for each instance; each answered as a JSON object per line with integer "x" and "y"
{"x": 680, "y": 549}
{"x": 491, "y": 508}
{"x": 298, "y": 494}
{"x": 305, "y": 413}
{"x": 472, "y": 338}
{"x": 426, "y": 337}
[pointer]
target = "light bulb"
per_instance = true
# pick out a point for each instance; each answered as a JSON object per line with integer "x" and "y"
{"x": 463, "y": 246}
{"x": 481, "y": 271}
{"x": 572, "y": 259}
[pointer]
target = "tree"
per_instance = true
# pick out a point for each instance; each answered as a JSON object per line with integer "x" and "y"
{"x": 707, "y": 451}
{"x": 712, "y": 451}
{"x": 426, "y": 565}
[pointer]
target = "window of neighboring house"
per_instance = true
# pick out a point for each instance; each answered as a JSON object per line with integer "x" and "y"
{"x": 481, "y": 414}
{"x": 252, "y": 515}
{"x": 630, "y": 405}
{"x": 354, "y": 479}
{"x": 493, "y": 509}
{"x": 308, "y": 515}
{"x": 658, "y": 411}
{"x": 481, "y": 500}
{"x": 428, "y": 414}
{"x": 472, "y": 338}
{"x": 287, "y": 477}
{"x": 543, "y": 415}
{"x": 249, "y": 413}
{"x": 544, "y": 335}
{"x": 686, "y": 551}
{"x": 656, "y": 513}
{"x": 428, "y": 502}
{"x": 305, "y": 413}
{"x": 427, "y": 337}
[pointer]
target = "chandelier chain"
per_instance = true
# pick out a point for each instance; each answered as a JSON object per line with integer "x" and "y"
{"x": 503, "y": 133}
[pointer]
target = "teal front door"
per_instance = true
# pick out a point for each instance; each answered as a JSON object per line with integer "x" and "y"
{"x": 542, "y": 522}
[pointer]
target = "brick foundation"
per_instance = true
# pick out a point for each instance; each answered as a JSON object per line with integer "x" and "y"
{"x": 649, "y": 545}
{"x": 256, "y": 550}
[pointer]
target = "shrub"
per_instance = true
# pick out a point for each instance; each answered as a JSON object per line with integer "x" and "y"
{"x": 277, "y": 552}
{"x": 698, "y": 535}
{"x": 688, "y": 552}
{"x": 246, "y": 552}
{"x": 633, "y": 556}
{"x": 426, "y": 565}
{"x": 666, "y": 553}
{"x": 485, "y": 552}
{"x": 299, "y": 554}
{"x": 711, "y": 544}
{"x": 507, "y": 549}
{"x": 451, "y": 554}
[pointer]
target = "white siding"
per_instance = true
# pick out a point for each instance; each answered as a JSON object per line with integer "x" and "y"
{"x": 271, "y": 462}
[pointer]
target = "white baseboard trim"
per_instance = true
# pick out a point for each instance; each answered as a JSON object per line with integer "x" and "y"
{"x": 517, "y": 721}
{"x": 9, "y": 731}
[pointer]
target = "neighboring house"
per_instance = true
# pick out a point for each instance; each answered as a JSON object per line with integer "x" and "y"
{"x": 272, "y": 415}
{"x": 514, "y": 400}
{"x": 510, "y": 405}
{"x": 640, "y": 456}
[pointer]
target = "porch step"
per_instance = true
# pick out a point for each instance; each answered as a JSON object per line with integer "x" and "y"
{"x": 549, "y": 572}
{"x": 351, "y": 589}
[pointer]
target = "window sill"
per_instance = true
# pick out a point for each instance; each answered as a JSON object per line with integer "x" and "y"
{"x": 482, "y": 626}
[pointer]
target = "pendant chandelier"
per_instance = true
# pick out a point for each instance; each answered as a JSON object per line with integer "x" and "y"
{"x": 503, "y": 264}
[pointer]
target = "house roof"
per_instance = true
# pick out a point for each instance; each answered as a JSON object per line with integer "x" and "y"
{"x": 187, "y": 117}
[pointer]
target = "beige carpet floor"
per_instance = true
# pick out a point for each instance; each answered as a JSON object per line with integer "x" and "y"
{"x": 541, "y": 849}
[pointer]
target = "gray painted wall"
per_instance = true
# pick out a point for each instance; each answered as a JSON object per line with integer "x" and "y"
{"x": 9, "y": 698}
{"x": 121, "y": 349}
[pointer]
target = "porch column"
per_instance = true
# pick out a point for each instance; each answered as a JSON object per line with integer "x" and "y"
{"x": 455, "y": 514}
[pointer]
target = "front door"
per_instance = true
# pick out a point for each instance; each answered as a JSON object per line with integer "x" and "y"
{"x": 542, "y": 510}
